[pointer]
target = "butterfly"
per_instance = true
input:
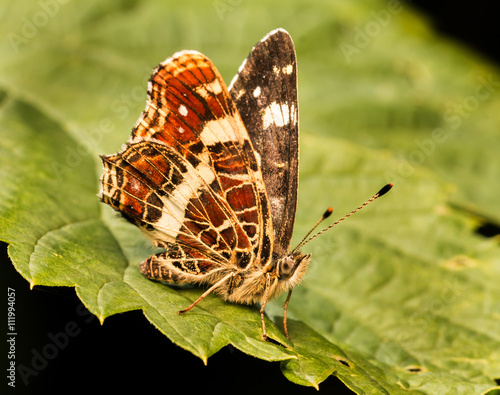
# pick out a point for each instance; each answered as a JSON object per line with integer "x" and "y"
{"x": 211, "y": 175}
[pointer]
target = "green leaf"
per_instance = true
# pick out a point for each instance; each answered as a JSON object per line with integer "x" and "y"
{"x": 401, "y": 298}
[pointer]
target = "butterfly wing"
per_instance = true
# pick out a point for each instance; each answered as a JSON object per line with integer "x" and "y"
{"x": 265, "y": 93}
{"x": 188, "y": 175}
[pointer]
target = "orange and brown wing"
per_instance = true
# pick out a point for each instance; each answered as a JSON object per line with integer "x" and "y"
{"x": 189, "y": 174}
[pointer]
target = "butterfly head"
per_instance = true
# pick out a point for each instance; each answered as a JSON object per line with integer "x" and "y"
{"x": 292, "y": 267}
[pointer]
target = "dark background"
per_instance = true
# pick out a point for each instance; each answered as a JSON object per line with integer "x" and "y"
{"x": 127, "y": 352}
{"x": 472, "y": 23}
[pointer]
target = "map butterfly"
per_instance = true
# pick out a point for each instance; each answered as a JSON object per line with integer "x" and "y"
{"x": 211, "y": 175}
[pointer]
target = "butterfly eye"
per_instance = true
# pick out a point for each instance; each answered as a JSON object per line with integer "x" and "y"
{"x": 286, "y": 268}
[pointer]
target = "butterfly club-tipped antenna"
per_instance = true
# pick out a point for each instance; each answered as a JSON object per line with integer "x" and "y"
{"x": 386, "y": 188}
{"x": 325, "y": 215}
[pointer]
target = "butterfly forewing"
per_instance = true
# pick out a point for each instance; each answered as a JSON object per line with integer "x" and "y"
{"x": 265, "y": 93}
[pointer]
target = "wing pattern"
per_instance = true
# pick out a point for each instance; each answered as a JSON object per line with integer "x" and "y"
{"x": 265, "y": 94}
{"x": 189, "y": 176}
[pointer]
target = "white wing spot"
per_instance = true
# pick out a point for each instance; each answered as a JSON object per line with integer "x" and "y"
{"x": 213, "y": 87}
{"x": 218, "y": 131}
{"x": 240, "y": 93}
{"x": 174, "y": 204}
{"x": 276, "y": 113}
{"x": 288, "y": 69}
{"x": 276, "y": 70}
{"x": 256, "y": 92}
{"x": 180, "y": 129}
{"x": 183, "y": 110}
{"x": 293, "y": 114}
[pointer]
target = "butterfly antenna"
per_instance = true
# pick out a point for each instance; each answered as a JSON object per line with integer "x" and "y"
{"x": 305, "y": 240}
{"x": 326, "y": 214}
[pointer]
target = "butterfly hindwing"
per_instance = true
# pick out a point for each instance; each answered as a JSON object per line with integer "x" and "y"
{"x": 265, "y": 93}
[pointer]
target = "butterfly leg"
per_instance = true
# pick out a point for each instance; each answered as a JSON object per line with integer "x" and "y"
{"x": 263, "y": 307}
{"x": 206, "y": 293}
{"x": 285, "y": 307}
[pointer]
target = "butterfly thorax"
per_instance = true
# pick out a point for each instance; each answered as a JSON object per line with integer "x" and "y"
{"x": 249, "y": 285}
